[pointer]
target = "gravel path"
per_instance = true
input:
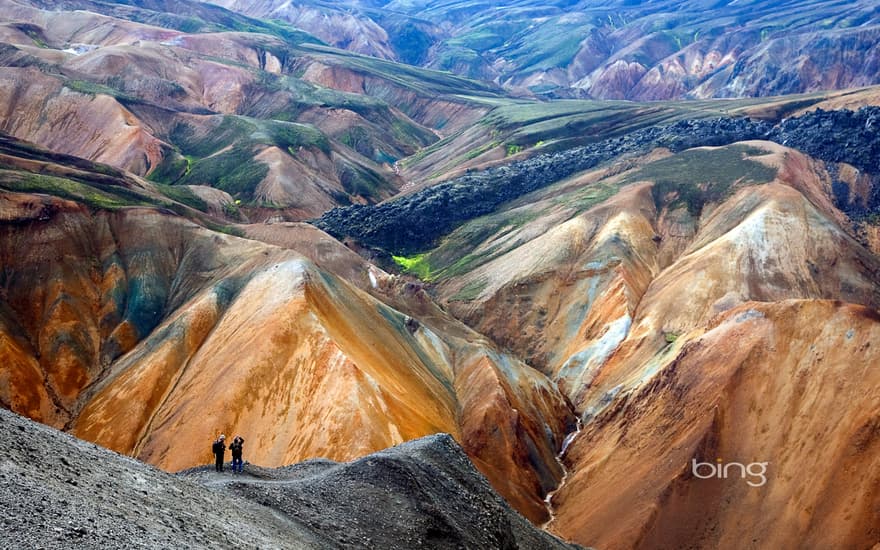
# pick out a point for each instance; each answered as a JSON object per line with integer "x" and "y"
{"x": 59, "y": 492}
{"x": 420, "y": 494}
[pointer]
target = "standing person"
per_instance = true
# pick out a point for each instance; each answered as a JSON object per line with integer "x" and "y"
{"x": 219, "y": 450}
{"x": 235, "y": 447}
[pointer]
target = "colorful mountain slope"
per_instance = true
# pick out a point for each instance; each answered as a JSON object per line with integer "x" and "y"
{"x": 689, "y": 286}
{"x": 150, "y": 330}
{"x": 609, "y": 50}
{"x": 286, "y": 126}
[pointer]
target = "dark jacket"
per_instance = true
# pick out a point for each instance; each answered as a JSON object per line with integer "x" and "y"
{"x": 218, "y": 448}
{"x": 235, "y": 447}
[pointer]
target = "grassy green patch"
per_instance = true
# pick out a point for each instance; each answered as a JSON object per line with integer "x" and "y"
{"x": 275, "y": 27}
{"x": 199, "y": 144}
{"x": 172, "y": 167}
{"x": 477, "y": 151}
{"x": 230, "y": 209}
{"x": 38, "y": 40}
{"x": 109, "y": 199}
{"x": 363, "y": 182}
{"x": 234, "y": 171}
{"x": 484, "y": 38}
{"x": 290, "y": 135}
{"x": 494, "y": 234}
{"x": 93, "y": 88}
{"x": 422, "y": 81}
{"x": 358, "y": 139}
{"x": 226, "y": 229}
{"x": 552, "y": 44}
{"x": 415, "y": 265}
{"x": 223, "y": 157}
{"x": 455, "y": 254}
{"x": 183, "y": 195}
{"x": 470, "y": 291}
{"x": 588, "y": 196}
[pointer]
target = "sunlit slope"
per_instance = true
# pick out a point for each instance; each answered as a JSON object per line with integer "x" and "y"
{"x": 667, "y": 241}
{"x": 787, "y": 384}
{"x": 688, "y": 285}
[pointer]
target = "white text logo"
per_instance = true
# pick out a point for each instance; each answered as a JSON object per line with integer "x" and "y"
{"x": 726, "y": 470}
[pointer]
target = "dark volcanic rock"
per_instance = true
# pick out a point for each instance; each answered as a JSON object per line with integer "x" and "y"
{"x": 60, "y": 492}
{"x": 846, "y": 136}
{"x": 851, "y": 137}
{"x": 415, "y": 222}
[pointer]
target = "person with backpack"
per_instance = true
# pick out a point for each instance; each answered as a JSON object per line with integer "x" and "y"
{"x": 235, "y": 447}
{"x": 219, "y": 450}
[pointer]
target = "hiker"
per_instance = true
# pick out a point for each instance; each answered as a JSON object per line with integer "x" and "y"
{"x": 235, "y": 447}
{"x": 219, "y": 449}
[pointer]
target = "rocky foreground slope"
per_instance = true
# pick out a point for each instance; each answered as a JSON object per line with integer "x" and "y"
{"x": 60, "y": 492}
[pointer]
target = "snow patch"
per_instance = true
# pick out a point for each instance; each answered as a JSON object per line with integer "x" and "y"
{"x": 570, "y": 437}
{"x": 80, "y": 49}
{"x": 748, "y": 315}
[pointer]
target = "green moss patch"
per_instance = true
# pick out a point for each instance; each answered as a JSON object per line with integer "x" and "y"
{"x": 470, "y": 291}
{"x": 183, "y": 195}
{"x": 109, "y": 198}
{"x": 696, "y": 177}
{"x": 234, "y": 171}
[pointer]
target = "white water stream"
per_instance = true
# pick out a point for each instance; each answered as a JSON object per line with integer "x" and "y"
{"x": 566, "y": 443}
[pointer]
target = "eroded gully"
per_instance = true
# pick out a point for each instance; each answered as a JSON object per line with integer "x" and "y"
{"x": 566, "y": 443}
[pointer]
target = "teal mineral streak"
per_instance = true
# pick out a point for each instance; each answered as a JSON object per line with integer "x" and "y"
{"x": 398, "y": 321}
{"x": 226, "y": 291}
{"x": 147, "y": 296}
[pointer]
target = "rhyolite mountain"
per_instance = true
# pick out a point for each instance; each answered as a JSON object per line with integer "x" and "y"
{"x": 217, "y": 99}
{"x": 640, "y": 50}
{"x": 586, "y": 295}
{"x": 696, "y": 305}
{"x": 136, "y": 328}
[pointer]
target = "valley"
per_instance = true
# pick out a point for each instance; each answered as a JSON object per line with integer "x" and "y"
{"x": 642, "y": 51}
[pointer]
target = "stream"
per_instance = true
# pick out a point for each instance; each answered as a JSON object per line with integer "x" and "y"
{"x": 566, "y": 443}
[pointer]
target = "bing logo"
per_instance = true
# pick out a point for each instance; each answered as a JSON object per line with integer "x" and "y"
{"x": 725, "y": 470}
